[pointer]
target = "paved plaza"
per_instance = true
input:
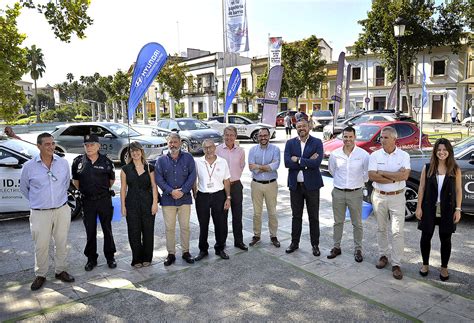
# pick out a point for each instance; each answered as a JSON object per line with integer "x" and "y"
{"x": 263, "y": 284}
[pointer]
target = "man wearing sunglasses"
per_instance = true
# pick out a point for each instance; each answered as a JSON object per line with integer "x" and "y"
{"x": 44, "y": 182}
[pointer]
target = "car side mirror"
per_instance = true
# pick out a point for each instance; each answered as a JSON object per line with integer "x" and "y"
{"x": 10, "y": 162}
{"x": 350, "y": 123}
{"x": 175, "y": 130}
{"x": 377, "y": 140}
{"x": 109, "y": 135}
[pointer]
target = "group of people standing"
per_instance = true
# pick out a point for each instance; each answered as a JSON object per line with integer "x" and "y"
{"x": 214, "y": 181}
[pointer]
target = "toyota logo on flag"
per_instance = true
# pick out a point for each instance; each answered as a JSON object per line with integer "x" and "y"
{"x": 272, "y": 94}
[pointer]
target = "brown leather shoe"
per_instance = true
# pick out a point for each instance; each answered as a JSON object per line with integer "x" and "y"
{"x": 38, "y": 282}
{"x": 65, "y": 277}
{"x": 383, "y": 261}
{"x": 254, "y": 241}
{"x": 397, "y": 272}
{"x": 334, "y": 253}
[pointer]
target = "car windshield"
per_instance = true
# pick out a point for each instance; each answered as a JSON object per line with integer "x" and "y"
{"x": 191, "y": 125}
{"x": 122, "y": 131}
{"x": 23, "y": 147}
{"x": 322, "y": 113}
{"x": 463, "y": 145}
{"x": 364, "y": 133}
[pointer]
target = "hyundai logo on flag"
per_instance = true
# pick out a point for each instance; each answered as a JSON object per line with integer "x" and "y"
{"x": 149, "y": 62}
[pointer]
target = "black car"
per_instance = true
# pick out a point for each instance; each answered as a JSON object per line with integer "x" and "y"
{"x": 192, "y": 132}
{"x": 363, "y": 117}
{"x": 464, "y": 155}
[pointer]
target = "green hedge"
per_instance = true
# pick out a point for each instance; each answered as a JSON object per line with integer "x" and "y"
{"x": 200, "y": 115}
{"x": 82, "y": 118}
{"x": 25, "y": 121}
{"x": 251, "y": 115}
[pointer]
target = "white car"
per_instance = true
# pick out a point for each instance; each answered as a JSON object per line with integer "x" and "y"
{"x": 245, "y": 127}
{"x": 468, "y": 122}
{"x": 13, "y": 154}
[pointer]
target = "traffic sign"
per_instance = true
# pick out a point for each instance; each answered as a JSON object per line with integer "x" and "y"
{"x": 367, "y": 100}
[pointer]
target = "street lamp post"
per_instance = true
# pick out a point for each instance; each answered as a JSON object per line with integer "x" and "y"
{"x": 399, "y": 30}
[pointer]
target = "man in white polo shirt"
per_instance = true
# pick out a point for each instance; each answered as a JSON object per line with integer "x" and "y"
{"x": 348, "y": 166}
{"x": 212, "y": 194}
{"x": 389, "y": 168}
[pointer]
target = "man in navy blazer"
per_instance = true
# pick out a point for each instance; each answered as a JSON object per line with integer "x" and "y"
{"x": 303, "y": 156}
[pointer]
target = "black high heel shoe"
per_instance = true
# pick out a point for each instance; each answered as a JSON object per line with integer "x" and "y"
{"x": 443, "y": 278}
{"x": 424, "y": 273}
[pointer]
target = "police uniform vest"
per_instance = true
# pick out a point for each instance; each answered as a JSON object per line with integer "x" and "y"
{"x": 94, "y": 178}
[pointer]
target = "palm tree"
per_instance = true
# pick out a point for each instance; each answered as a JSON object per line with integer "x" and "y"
{"x": 36, "y": 67}
{"x": 247, "y": 96}
{"x": 69, "y": 77}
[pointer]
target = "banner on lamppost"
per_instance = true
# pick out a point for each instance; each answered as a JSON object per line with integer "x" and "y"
{"x": 274, "y": 51}
{"x": 150, "y": 61}
{"x": 347, "y": 102}
{"x": 337, "y": 97}
{"x": 232, "y": 87}
{"x": 236, "y": 26}
{"x": 392, "y": 97}
{"x": 272, "y": 95}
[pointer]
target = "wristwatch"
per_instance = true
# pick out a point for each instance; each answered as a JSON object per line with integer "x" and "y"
{"x": 458, "y": 209}
{"x": 228, "y": 197}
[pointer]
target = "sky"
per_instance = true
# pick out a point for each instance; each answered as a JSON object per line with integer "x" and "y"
{"x": 122, "y": 27}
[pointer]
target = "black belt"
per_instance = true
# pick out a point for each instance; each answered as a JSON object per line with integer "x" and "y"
{"x": 347, "y": 189}
{"x": 53, "y": 208}
{"x": 218, "y": 192}
{"x": 97, "y": 197}
{"x": 265, "y": 182}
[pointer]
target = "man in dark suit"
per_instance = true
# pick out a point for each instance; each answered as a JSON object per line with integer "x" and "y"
{"x": 303, "y": 155}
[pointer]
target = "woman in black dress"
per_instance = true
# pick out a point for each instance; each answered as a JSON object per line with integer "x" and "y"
{"x": 139, "y": 197}
{"x": 439, "y": 203}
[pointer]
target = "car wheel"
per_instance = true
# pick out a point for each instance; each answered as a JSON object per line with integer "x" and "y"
{"x": 411, "y": 195}
{"x": 254, "y": 136}
{"x": 74, "y": 202}
{"x": 124, "y": 156}
{"x": 185, "y": 146}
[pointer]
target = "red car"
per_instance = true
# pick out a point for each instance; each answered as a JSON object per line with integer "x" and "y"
{"x": 280, "y": 120}
{"x": 368, "y": 137}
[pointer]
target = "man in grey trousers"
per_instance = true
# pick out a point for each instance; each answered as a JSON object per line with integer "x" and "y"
{"x": 349, "y": 167}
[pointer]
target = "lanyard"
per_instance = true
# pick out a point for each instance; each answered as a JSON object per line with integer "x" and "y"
{"x": 213, "y": 169}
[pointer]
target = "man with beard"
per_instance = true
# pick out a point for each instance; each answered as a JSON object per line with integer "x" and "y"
{"x": 303, "y": 156}
{"x": 264, "y": 160}
{"x": 175, "y": 174}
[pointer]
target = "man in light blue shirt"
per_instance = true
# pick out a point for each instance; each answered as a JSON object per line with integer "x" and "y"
{"x": 44, "y": 181}
{"x": 264, "y": 160}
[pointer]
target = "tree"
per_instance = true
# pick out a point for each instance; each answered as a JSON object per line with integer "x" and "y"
{"x": 247, "y": 95}
{"x": 70, "y": 77}
{"x": 173, "y": 78}
{"x": 65, "y": 17}
{"x": 303, "y": 68}
{"x": 36, "y": 67}
{"x": 12, "y": 64}
{"x": 427, "y": 26}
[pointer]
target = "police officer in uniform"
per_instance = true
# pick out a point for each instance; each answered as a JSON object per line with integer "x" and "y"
{"x": 93, "y": 175}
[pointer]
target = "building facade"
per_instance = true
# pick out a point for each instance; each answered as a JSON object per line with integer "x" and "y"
{"x": 445, "y": 72}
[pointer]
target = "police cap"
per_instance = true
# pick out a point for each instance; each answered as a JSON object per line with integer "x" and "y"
{"x": 90, "y": 139}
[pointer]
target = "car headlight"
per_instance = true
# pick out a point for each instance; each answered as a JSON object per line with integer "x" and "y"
{"x": 194, "y": 140}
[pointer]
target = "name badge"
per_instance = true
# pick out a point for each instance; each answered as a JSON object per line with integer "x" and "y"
{"x": 210, "y": 185}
